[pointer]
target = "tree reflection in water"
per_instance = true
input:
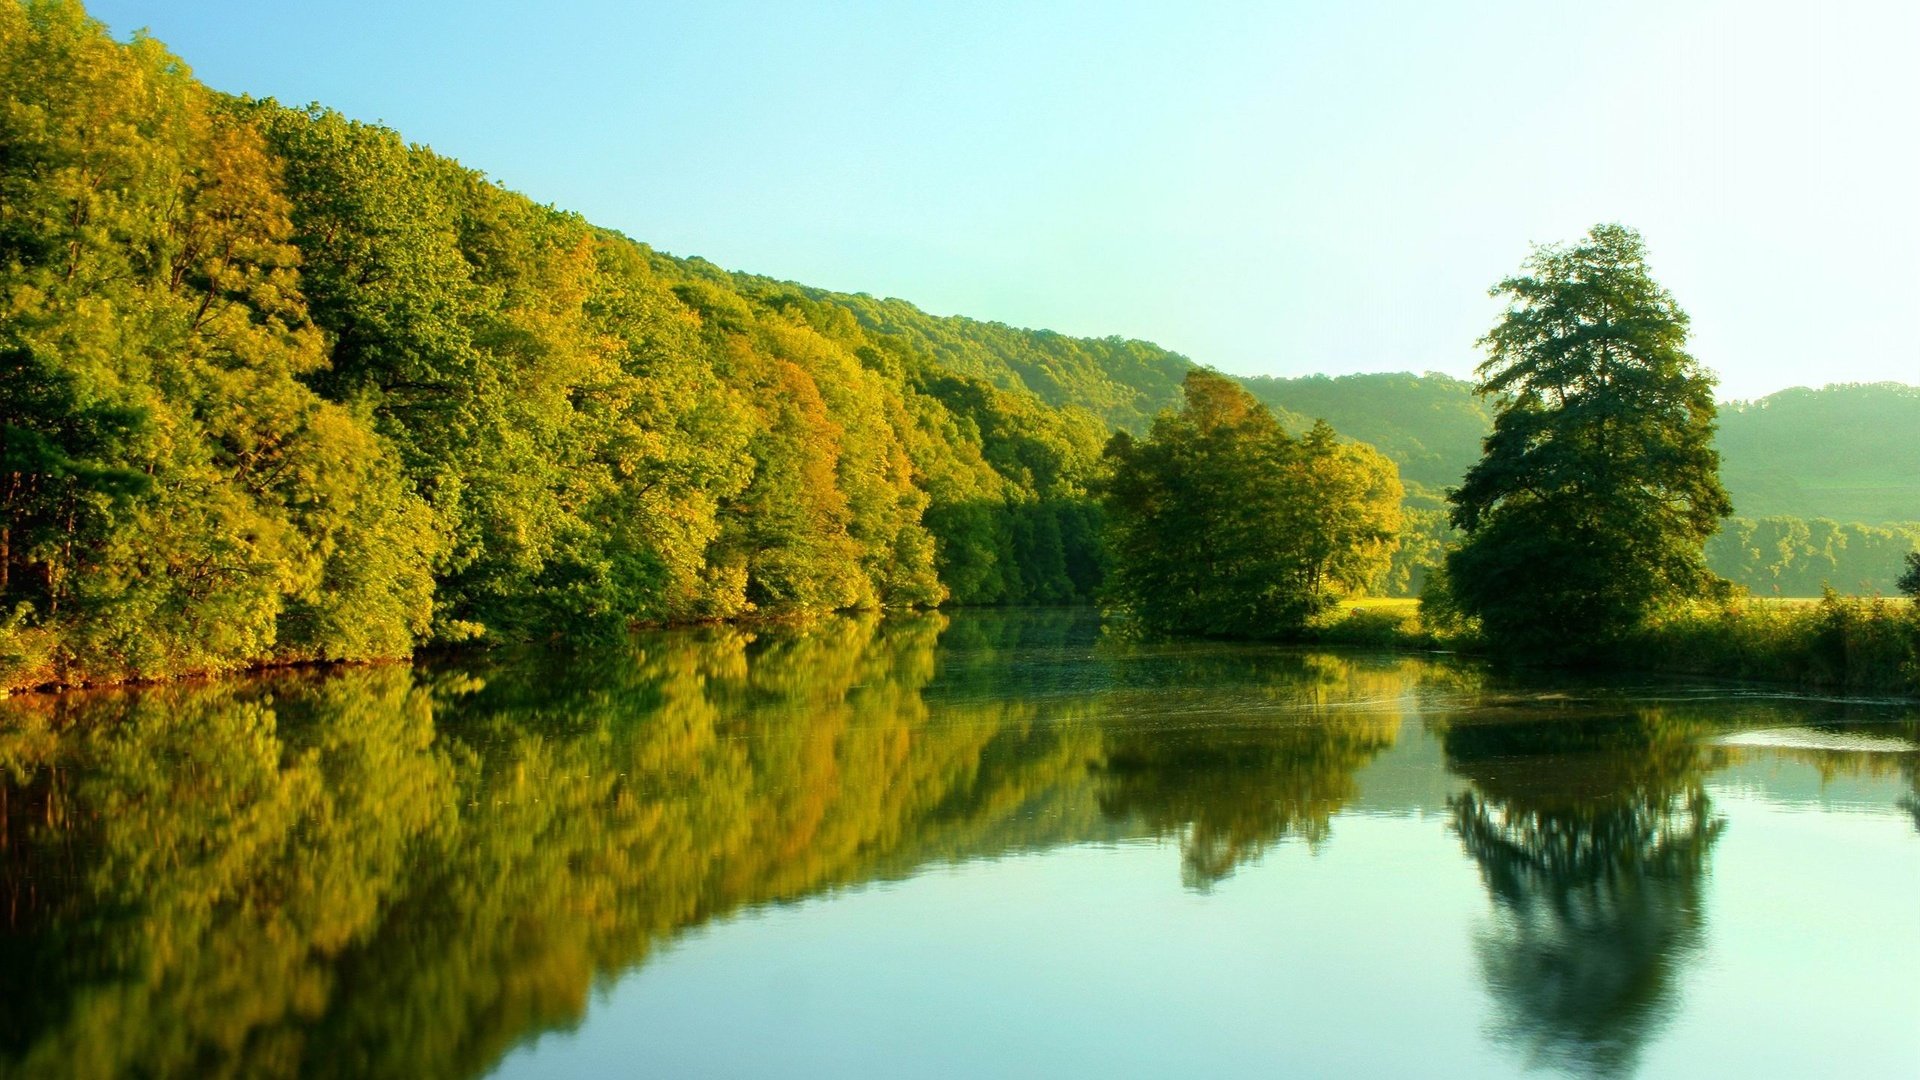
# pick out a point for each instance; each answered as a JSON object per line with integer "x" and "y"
{"x": 1276, "y": 765}
{"x": 1592, "y": 834}
{"x": 405, "y": 871}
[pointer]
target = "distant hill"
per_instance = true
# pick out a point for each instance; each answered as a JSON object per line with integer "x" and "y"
{"x": 1826, "y": 482}
{"x": 1850, "y": 452}
{"x": 1430, "y": 425}
{"x": 1123, "y": 382}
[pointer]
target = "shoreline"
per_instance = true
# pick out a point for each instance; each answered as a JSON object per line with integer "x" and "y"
{"x": 1835, "y": 646}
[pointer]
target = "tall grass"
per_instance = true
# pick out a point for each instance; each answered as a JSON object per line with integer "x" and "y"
{"x": 1835, "y": 643}
{"x": 1838, "y": 643}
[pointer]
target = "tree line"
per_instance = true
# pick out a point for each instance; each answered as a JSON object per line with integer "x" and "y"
{"x": 1785, "y": 556}
{"x": 277, "y": 386}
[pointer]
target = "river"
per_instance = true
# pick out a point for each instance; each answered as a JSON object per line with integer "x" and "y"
{"x": 977, "y": 844}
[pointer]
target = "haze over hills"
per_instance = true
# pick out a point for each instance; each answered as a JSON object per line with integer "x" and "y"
{"x": 1825, "y": 490}
{"x": 1846, "y": 452}
{"x": 1835, "y": 452}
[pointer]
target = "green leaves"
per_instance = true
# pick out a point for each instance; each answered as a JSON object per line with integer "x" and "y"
{"x": 1599, "y": 483}
{"x": 1220, "y": 524}
{"x": 173, "y": 495}
{"x": 276, "y": 385}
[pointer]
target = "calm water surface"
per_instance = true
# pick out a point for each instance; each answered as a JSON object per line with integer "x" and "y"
{"x": 978, "y": 845}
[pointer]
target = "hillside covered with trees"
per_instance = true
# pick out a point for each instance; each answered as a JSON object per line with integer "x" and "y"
{"x": 1844, "y": 452}
{"x": 279, "y": 386}
{"x": 1833, "y": 452}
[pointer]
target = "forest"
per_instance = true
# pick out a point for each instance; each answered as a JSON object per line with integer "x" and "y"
{"x": 282, "y": 387}
{"x": 277, "y": 386}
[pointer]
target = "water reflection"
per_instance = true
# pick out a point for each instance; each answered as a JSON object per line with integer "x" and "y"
{"x": 397, "y": 873}
{"x": 1593, "y": 836}
{"x": 408, "y": 871}
{"x": 1276, "y": 761}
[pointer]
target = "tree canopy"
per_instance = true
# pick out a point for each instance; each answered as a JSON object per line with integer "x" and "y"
{"x": 276, "y": 385}
{"x": 1221, "y": 524}
{"x": 1598, "y": 486}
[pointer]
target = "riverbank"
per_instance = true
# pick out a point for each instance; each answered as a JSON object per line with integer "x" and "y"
{"x": 1846, "y": 644}
{"x": 30, "y": 660}
{"x": 1834, "y": 643}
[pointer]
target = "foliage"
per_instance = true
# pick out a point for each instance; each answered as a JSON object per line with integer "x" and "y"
{"x": 1909, "y": 582}
{"x": 1597, "y": 488}
{"x": 1792, "y": 557}
{"x": 1430, "y": 425}
{"x": 1838, "y": 643}
{"x": 1396, "y": 623}
{"x": 1803, "y": 453}
{"x": 173, "y": 494}
{"x": 1124, "y": 383}
{"x": 1221, "y": 524}
{"x": 277, "y": 386}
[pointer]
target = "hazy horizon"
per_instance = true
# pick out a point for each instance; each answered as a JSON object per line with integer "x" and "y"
{"x": 1267, "y": 190}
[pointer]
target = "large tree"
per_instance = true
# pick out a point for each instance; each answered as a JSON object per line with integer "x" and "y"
{"x": 1221, "y": 524}
{"x": 1599, "y": 484}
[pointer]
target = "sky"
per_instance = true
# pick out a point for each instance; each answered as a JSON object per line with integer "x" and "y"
{"x": 1270, "y": 188}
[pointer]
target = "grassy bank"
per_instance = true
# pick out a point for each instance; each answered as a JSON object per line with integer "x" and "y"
{"x": 1835, "y": 643}
{"x": 1852, "y": 644}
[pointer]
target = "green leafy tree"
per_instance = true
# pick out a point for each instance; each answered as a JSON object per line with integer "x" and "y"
{"x": 1909, "y": 582}
{"x": 1221, "y": 524}
{"x": 1598, "y": 486}
{"x": 175, "y": 495}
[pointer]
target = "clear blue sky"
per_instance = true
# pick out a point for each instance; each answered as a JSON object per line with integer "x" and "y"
{"x": 1269, "y": 188}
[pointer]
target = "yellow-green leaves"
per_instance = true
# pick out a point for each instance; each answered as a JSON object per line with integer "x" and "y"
{"x": 1221, "y": 524}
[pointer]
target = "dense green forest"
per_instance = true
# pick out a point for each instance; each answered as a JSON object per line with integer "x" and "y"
{"x": 278, "y": 386}
{"x": 1220, "y": 524}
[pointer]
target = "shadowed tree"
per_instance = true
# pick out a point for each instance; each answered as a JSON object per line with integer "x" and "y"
{"x": 1599, "y": 484}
